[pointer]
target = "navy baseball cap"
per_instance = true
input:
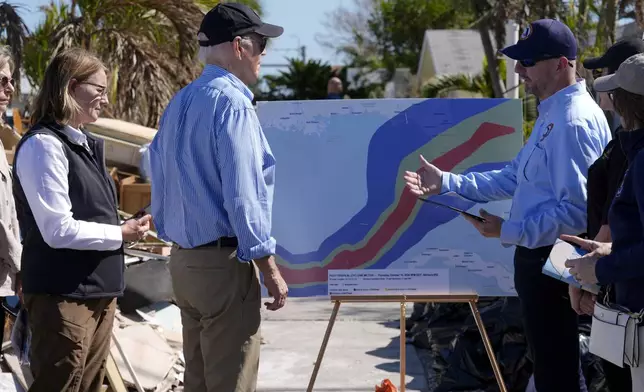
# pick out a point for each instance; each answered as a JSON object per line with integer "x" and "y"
{"x": 543, "y": 39}
{"x": 228, "y": 20}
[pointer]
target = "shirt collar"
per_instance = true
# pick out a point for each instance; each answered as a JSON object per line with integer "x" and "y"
{"x": 75, "y": 135}
{"x": 563, "y": 95}
{"x": 215, "y": 71}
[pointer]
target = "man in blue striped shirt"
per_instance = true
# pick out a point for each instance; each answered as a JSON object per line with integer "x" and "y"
{"x": 212, "y": 192}
{"x": 547, "y": 185}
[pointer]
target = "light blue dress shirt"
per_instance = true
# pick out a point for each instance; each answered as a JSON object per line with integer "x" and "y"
{"x": 547, "y": 179}
{"x": 212, "y": 170}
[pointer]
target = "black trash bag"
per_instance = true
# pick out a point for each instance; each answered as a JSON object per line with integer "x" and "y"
{"x": 436, "y": 329}
{"x": 468, "y": 366}
{"x": 420, "y": 312}
{"x": 146, "y": 283}
{"x": 439, "y": 324}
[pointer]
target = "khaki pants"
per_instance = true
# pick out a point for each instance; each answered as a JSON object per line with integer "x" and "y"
{"x": 220, "y": 299}
{"x": 70, "y": 342}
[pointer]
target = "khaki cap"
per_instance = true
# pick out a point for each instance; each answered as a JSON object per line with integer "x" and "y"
{"x": 629, "y": 76}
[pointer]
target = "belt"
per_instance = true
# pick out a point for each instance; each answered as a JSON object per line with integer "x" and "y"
{"x": 222, "y": 242}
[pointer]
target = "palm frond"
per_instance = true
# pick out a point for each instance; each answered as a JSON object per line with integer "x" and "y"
{"x": 443, "y": 85}
{"x": 148, "y": 45}
{"x": 15, "y": 35}
{"x": 206, "y": 5}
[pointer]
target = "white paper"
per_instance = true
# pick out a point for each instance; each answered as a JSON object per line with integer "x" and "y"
{"x": 555, "y": 266}
{"x": 388, "y": 282}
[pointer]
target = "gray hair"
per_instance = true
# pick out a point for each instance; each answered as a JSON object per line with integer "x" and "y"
{"x": 215, "y": 53}
{"x": 6, "y": 57}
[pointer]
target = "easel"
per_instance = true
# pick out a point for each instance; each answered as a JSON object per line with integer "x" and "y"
{"x": 471, "y": 299}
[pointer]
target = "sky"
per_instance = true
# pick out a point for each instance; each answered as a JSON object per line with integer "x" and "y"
{"x": 302, "y": 21}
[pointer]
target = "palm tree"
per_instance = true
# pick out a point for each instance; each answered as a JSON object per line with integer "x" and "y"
{"x": 481, "y": 84}
{"x": 301, "y": 80}
{"x": 491, "y": 19}
{"x": 13, "y": 32}
{"x": 208, "y": 4}
{"x": 149, "y": 47}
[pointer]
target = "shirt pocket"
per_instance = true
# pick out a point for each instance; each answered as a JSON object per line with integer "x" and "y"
{"x": 535, "y": 164}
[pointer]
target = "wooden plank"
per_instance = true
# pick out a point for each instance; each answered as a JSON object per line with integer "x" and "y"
{"x": 114, "y": 376}
{"x": 122, "y": 130}
{"x": 18, "y": 122}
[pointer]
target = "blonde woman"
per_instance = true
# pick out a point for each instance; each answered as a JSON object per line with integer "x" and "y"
{"x": 72, "y": 259}
{"x": 10, "y": 247}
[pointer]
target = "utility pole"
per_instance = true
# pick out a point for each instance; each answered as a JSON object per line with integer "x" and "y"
{"x": 512, "y": 78}
{"x": 303, "y": 53}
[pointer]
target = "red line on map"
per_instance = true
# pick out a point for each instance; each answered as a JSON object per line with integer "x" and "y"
{"x": 349, "y": 259}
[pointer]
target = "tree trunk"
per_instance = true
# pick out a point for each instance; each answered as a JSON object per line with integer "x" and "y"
{"x": 582, "y": 17}
{"x": 492, "y": 62}
{"x": 639, "y": 12}
{"x": 611, "y": 21}
{"x": 600, "y": 33}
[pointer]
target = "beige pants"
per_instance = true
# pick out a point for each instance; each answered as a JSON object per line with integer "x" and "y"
{"x": 220, "y": 301}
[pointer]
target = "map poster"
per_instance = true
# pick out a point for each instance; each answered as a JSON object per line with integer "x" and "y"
{"x": 340, "y": 202}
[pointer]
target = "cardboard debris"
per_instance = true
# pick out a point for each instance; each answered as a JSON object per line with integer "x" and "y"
{"x": 21, "y": 372}
{"x": 9, "y": 383}
{"x": 149, "y": 353}
{"x": 167, "y": 318}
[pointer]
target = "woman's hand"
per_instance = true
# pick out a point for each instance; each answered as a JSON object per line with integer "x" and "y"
{"x": 583, "y": 268}
{"x": 582, "y": 301}
{"x": 136, "y": 229}
{"x": 603, "y": 248}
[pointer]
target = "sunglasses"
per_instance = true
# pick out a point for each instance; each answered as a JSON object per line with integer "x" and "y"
{"x": 260, "y": 40}
{"x": 262, "y": 44}
{"x": 6, "y": 81}
{"x": 533, "y": 62}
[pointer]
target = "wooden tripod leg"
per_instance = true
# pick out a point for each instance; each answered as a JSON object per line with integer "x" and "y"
{"x": 325, "y": 341}
{"x": 403, "y": 346}
{"x": 488, "y": 346}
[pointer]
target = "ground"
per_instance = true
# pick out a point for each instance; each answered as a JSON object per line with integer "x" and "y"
{"x": 363, "y": 349}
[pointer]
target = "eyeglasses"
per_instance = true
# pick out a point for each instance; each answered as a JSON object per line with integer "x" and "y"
{"x": 102, "y": 90}
{"x": 532, "y": 62}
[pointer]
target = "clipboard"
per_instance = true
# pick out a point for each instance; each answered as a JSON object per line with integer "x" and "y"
{"x": 478, "y": 218}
